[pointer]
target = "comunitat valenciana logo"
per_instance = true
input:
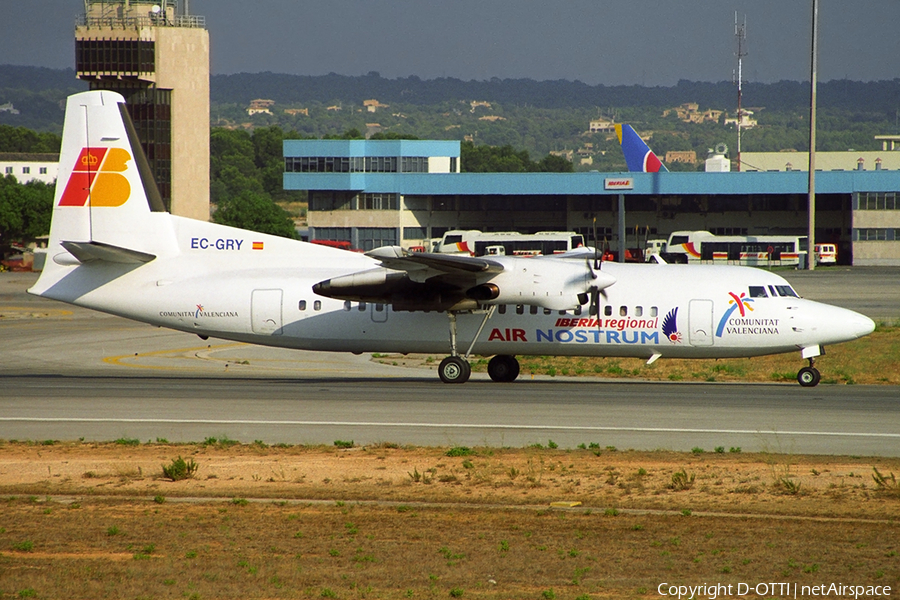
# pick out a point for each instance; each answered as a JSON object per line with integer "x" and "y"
{"x": 97, "y": 176}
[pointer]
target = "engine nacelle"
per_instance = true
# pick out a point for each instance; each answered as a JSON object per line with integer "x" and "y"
{"x": 555, "y": 284}
{"x": 483, "y": 292}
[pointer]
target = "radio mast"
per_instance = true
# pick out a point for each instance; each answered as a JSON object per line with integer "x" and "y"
{"x": 740, "y": 34}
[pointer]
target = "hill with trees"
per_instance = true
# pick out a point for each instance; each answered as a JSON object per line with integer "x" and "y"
{"x": 537, "y": 117}
{"x": 501, "y": 123}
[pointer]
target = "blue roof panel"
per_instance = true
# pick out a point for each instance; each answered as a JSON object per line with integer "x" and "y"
{"x": 671, "y": 183}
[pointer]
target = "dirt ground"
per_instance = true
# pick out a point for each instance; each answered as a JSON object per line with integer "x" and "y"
{"x": 100, "y": 520}
{"x": 596, "y": 477}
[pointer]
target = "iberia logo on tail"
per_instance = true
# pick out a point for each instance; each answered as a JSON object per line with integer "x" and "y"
{"x": 97, "y": 176}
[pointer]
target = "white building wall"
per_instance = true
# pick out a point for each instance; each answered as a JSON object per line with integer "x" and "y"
{"x": 825, "y": 161}
{"x": 440, "y": 164}
{"x": 30, "y": 170}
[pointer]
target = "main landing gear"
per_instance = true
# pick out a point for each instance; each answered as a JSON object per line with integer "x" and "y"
{"x": 503, "y": 368}
{"x": 456, "y": 369}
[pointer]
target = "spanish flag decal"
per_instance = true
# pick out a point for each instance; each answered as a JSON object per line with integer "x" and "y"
{"x": 257, "y": 245}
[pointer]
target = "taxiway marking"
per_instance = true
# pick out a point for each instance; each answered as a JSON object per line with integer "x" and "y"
{"x": 443, "y": 425}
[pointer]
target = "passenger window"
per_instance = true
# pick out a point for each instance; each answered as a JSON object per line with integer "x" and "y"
{"x": 607, "y": 310}
{"x": 623, "y": 311}
{"x": 501, "y": 309}
{"x": 547, "y": 311}
{"x": 534, "y": 310}
{"x": 346, "y": 305}
{"x": 638, "y": 311}
{"x": 317, "y": 305}
{"x": 362, "y": 306}
{"x": 577, "y": 310}
{"x": 379, "y": 307}
{"x": 520, "y": 309}
{"x": 654, "y": 311}
{"x": 758, "y": 291}
{"x": 303, "y": 305}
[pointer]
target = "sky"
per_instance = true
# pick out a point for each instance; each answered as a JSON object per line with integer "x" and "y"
{"x": 612, "y": 42}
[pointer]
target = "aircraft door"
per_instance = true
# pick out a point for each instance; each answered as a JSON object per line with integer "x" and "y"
{"x": 265, "y": 312}
{"x": 700, "y": 323}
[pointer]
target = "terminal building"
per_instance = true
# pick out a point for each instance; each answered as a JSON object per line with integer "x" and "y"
{"x": 373, "y": 193}
{"x": 156, "y": 54}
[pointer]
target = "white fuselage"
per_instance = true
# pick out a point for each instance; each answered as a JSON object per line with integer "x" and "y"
{"x": 217, "y": 285}
{"x": 114, "y": 248}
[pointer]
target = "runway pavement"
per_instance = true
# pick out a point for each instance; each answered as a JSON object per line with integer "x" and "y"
{"x": 68, "y": 373}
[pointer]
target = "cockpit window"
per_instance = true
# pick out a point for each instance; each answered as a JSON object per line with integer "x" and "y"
{"x": 758, "y": 291}
{"x": 786, "y": 290}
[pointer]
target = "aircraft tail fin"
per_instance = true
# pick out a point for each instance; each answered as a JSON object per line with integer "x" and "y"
{"x": 638, "y": 155}
{"x": 107, "y": 207}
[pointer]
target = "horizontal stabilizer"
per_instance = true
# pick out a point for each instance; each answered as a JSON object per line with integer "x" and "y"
{"x": 90, "y": 251}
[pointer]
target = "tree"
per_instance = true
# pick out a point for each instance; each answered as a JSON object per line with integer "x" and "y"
{"x": 232, "y": 169}
{"x": 506, "y": 159}
{"x": 256, "y": 212}
{"x": 24, "y": 211}
{"x": 492, "y": 159}
{"x": 393, "y": 135}
{"x": 22, "y": 139}
{"x": 351, "y": 134}
{"x": 555, "y": 164}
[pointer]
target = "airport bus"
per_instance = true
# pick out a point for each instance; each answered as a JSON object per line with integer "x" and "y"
{"x": 750, "y": 250}
{"x": 509, "y": 243}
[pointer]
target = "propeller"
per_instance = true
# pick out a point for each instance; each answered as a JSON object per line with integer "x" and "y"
{"x": 594, "y": 290}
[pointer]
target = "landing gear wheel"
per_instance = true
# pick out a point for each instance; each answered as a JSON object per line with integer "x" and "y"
{"x": 503, "y": 368}
{"x": 454, "y": 369}
{"x": 809, "y": 377}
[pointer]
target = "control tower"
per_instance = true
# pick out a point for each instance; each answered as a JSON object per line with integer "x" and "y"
{"x": 156, "y": 54}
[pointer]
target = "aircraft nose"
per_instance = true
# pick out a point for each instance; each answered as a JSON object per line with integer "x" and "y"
{"x": 860, "y": 325}
{"x": 851, "y": 325}
{"x": 833, "y": 325}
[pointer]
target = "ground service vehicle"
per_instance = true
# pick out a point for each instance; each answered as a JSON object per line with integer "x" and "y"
{"x": 749, "y": 250}
{"x": 826, "y": 254}
{"x": 476, "y": 243}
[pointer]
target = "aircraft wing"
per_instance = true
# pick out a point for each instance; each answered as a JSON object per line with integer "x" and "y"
{"x": 428, "y": 281}
{"x": 421, "y": 266}
{"x": 412, "y": 280}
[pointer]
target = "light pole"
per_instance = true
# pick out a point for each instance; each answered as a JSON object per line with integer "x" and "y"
{"x": 811, "y": 234}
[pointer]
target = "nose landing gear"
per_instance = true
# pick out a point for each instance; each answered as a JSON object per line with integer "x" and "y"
{"x": 809, "y": 376}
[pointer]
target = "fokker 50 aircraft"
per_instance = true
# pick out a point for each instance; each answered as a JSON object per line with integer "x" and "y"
{"x": 115, "y": 249}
